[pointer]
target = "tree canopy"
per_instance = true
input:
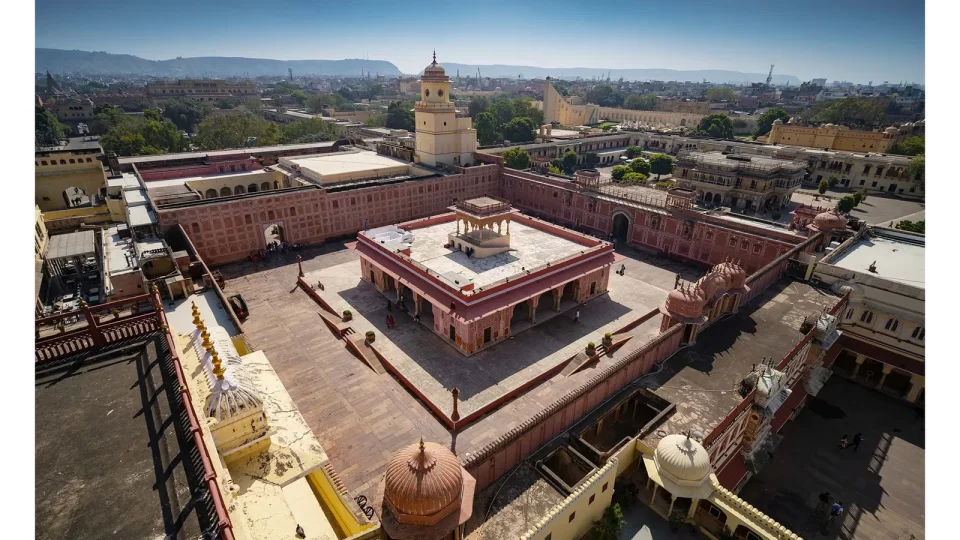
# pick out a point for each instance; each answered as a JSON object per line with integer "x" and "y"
{"x": 232, "y": 130}
{"x": 716, "y": 125}
{"x": 486, "y": 127}
{"x": 604, "y": 96}
{"x": 130, "y": 135}
{"x": 638, "y": 102}
{"x": 823, "y": 186}
{"x": 521, "y": 129}
{"x": 855, "y": 112}
{"x": 661, "y": 164}
{"x": 308, "y": 131}
{"x": 640, "y": 165}
{"x": 48, "y": 131}
{"x": 569, "y": 161}
{"x": 916, "y": 170}
{"x": 590, "y": 159}
{"x": 910, "y": 147}
{"x": 516, "y": 158}
{"x": 634, "y": 151}
{"x": 618, "y": 171}
{"x": 765, "y": 120}
{"x": 478, "y": 105}
{"x": 719, "y": 93}
{"x": 401, "y": 116}
{"x": 186, "y": 113}
{"x": 846, "y": 203}
{"x": 912, "y": 226}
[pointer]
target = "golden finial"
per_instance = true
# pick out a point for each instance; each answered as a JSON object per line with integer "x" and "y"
{"x": 207, "y": 345}
{"x": 217, "y": 365}
{"x": 194, "y": 309}
{"x": 197, "y": 321}
{"x": 154, "y": 288}
{"x": 422, "y": 446}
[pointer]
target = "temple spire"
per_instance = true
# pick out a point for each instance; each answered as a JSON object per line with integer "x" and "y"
{"x": 434, "y": 56}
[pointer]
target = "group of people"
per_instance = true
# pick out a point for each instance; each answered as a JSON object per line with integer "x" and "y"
{"x": 857, "y": 439}
{"x": 391, "y": 322}
{"x": 282, "y": 247}
{"x": 835, "y": 510}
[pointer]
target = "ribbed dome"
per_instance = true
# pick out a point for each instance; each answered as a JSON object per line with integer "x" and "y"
{"x": 830, "y": 221}
{"x": 890, "y": 129}
{"x": 777, "y": 122}
{"x": 733, "y": 273}
{"x": 683, "y": 458}
{"x": 434, "y": 71}
{"x": 712, "y": 283}
{"x": 423, "y": 483}
{"x": 685, "y": 302}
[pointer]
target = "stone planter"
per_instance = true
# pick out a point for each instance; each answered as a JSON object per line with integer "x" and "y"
{"x": 347, "y": 315}
{"x": 370, "y": 336}
{"x": 591, "y": 349}
{"x": 607, "y": 340}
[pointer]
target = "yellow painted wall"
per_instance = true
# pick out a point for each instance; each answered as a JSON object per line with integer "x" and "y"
{"x": 52, "y": 179}
{"x": 330, "y": 499}
{"x": 833, "y": 138}
{"x": 40, "y": 235}
{"x": 219, "y": 182}
{"x": 557, "y": 523}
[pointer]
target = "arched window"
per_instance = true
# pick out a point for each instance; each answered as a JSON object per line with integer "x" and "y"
{"x": 225, "y": 192}
{"x": 239, "y": 190}
{"x": 265, "y": 186}
{"x": 210, "y": 194}
{"x": 252, "y": 188}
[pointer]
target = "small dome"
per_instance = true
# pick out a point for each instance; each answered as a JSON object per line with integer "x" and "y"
{"x": 830, "y": 126}
{"x": 777, "y": 122}
{"x": 890, "y": 129}
{"x": 686, "y": 302}
{"x": 231, "y": 398}
{"x": 712, "y": 283}
{"x": 682, "y": 458}
{"x": 423, "y": 483}
{"x": 434, "y": 71}
{"x": 734, "y": 274}
{"x": 830, "y": 221}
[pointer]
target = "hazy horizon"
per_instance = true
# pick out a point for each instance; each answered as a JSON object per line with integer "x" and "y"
{"x": 855, "y": 41}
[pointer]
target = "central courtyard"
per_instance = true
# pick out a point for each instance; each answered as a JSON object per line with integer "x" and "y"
{"x": 363, "y": 417}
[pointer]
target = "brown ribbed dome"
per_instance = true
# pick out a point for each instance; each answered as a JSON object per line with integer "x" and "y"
{"x": 423, "y": 483}
{"x": 712, "y": 284}
{"x": 734, "y": 274}
{"x": 830, "y": 221}
{"x": 685, "y": 302}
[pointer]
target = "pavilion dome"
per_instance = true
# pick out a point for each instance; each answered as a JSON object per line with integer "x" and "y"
{"x": 434, "y": 71}
{"x": 777, "y": 122}
{"x": 713, "y": 283}
{"x": 890, "y": 129}
{"x": 683, "y": 458}
{"x": 686, "y": 302}
{"x": 734, "y": 274}
{"x": 830, "y": 221}
{"x": 423, "y": 483}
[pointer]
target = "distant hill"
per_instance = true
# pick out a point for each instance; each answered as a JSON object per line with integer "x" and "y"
{"x": 533, "y": 72}
{"x": 64, "y": 61}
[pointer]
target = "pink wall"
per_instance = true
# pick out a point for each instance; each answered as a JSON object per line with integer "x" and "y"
{"x": 239, "y": 164}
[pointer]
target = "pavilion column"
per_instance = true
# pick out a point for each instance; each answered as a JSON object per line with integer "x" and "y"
{"x": 557, "y": 293}
{"x": 673, "y": 499}
{"x": 916, "y": 384}
{"x": 533, "y": 309}
{"x": 508, "y": 226}
{"x": 887, "y": 368}
{"x": 458, "y": 227}
{"x": 856, "y": 368}
{"x": 654, "y": 496}
{"x": 693, "y": 508}
{"x": 416, "y": 304}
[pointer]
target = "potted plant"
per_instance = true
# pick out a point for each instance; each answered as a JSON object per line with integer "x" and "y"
{"x": 607, "y": 340}
{"x": 591, "y": 348}
{"x": 347, "y": 315}
{"x": 61, "y": 327}
{"x": 370, "y": 335}
{"x": 116, "y": 313}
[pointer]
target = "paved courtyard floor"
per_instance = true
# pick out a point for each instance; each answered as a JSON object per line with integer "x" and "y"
{"x": 881, "y": 485}
{"x": 434, "y": 367}
{"x": 362, "y": 418}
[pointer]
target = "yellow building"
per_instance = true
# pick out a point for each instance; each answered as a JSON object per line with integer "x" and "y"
{"x": 68, "y": 176}
{"x": 568, "y": 112}
{"x": 833, "y": 137}
{"x": 40, "y": 236}
{"x": 202, "y": 89}
{"x": 442, "y": 137}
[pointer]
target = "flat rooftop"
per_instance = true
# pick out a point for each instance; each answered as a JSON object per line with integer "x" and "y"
{"x": 530, "y": 248}
{"x": 250, "y": 151}
{"x": 702, "y": 380}
{"x": 71, "y": 244}
{"x": 108, "y": 461}
{"x": 764, "y": 163}
{"x": 348, "y": 165}
{"x": 896, "y": 260}
{"x": 119, "y": 253}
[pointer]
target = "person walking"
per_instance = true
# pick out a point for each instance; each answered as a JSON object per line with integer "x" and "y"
{"x": 576, "y": 316}
{"x": 416, "y": 318}
{"x": 836, "y": 510}
{"x": 857, "y": 439}
{"x": 389, "y": 306}
{"x": 843, "y": 442}
{"x": 623, "y": 269}
{"x": 824, "y": 501}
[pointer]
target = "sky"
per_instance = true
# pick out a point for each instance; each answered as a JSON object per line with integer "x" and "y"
{"x": 852, "y": 40}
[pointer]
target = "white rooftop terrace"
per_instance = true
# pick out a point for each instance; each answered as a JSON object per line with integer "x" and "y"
{"x": 530, "y": 248}
{"x": 896, "y": 260}
{"x": 349, "y": 165}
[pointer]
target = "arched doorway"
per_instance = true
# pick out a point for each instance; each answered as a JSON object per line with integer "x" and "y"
{"x": 225, "y": 192}
{"x": 717, "y": 199}
{"x": 252, "y": 188}
{"x": 210, "y": 194}
{"x": 265, "y": 186}
{"x": 621, "y": 227}
{"x": 74, "y": 197}
{"x": 239, "y": 190}
{"x": 273, "y": 232}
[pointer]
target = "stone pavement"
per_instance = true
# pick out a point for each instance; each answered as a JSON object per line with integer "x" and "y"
{"x": 881, "y": 485}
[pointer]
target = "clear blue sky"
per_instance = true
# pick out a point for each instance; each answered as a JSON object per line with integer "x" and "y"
{"x": 850, "y": 40}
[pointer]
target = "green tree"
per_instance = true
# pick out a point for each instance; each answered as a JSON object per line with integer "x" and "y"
{"x": 640, "y": 165}
{"x": 557, "y": 162}
{"x": 823, "y": 186}
{"x": 846, "y": 204}
{"x": 863, "y": 194}
{"x": 661, "y": 164}
{"x": 618, "y": 171}
{"x": 716, "y": 125}
{"x": 231, "y": 130}
{"x": 635, "y": 178}
{"x": 645, "y": 102}
{"x": 379, "y": 120}
{"x": 833, "y": 181}
{"x": 400, "y": 116}
{"x": 912, "y": 226}
{"x": 525, "y": 107}
{"x": 516, "y": 158}
{"x": 569, "y": 161}
{"x": 609, "y": 526}
{"x": 271, "y": 135}
{"x": 553, "y": 169}
{"x": 855, "y": 112}
{"x": 590, "y": 159}
{"x": 253, "y": 105}
{"x": 765, "y": 120}
{"x": 478, "y": 105}
{"x": 719, "y": 93}
{"x": 186, "y": 113}
{"x": 857, "y": 198}
{"x": 502, "y": 111}
{"x": 47, "y": 129}
{"x": 916, "y": 170}
{"x": 519, "y": 130}
{"x": 910, "y": 147}
{"x": 299, "y": 96}
{"x": 308, "y": 130}
{"x": 604, "y": 96}
{"x": 634, "y": 151}
{"x": 486, "y": 128}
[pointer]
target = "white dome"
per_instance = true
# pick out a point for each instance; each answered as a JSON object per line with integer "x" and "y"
{"x": 682, "y": 458}
{"x": 777, "y": 122}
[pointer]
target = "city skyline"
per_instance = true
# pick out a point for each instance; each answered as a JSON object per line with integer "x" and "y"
{"x": 844, "y": 46}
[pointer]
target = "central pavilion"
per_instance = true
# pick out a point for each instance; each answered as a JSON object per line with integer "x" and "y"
{"x": 481, "y": 271}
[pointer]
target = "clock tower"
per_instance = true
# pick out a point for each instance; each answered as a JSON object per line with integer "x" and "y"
{"x": 442, "y": 137}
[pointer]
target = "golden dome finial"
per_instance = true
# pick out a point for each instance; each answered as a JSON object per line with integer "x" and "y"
{"x": 206, "y": 344}
{"x": 197, "y": 321}
{"x": 434, "y": 56}
{"x": 422, "y": 447}
{"x": 217, "y": 365}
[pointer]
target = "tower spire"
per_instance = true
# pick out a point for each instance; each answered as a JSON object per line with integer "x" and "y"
{"x": 434, "y": 56}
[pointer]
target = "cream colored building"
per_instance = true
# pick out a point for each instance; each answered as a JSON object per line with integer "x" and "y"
{"x": 40, "y": 236}
{"x": 68, "y": 176}
{"x": 566, "y": 112}
{"x": 202, "y": 89}
{"x": 836, "y": 137}
{"x": 442, "y": 137}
